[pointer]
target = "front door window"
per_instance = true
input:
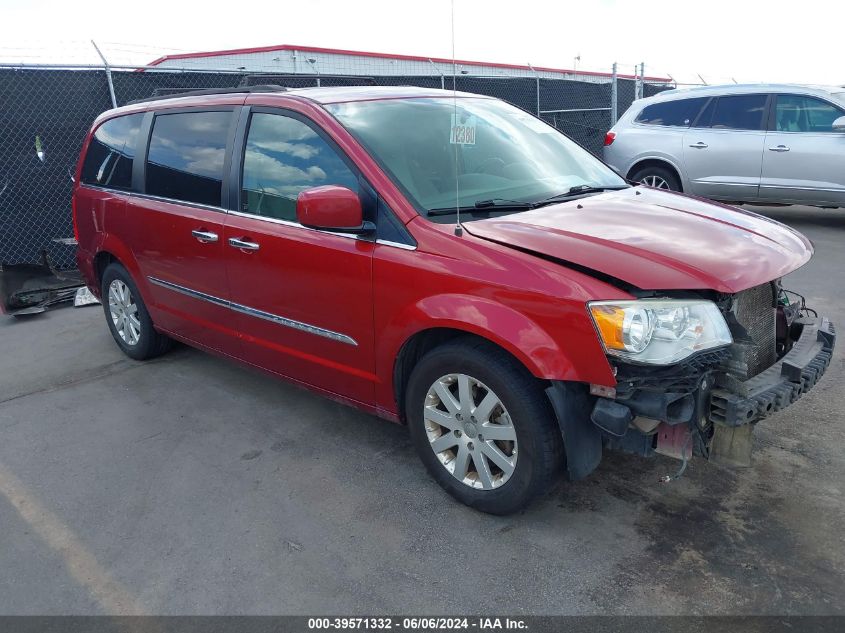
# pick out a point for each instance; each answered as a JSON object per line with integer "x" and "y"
{"x": 797, "y": 113}
{"x": 283, "y": 157}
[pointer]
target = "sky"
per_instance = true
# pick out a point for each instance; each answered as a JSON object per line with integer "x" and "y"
{"x": 718, "y": 40}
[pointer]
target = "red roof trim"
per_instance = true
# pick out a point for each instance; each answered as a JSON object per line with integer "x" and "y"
{"x": 414, "y": 58}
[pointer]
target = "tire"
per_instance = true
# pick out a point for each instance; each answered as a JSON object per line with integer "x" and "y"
{"x": 521, "y": 410}
{"x": 135, "y": 335}
{"x": 657, "y": 177}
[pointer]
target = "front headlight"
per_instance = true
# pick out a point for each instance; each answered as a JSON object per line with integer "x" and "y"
{"x": 659, "y": 331}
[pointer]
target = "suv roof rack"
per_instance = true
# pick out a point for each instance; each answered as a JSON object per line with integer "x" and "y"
{"x": 212, "y": 91}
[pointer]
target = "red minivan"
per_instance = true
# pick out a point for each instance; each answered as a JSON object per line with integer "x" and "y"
{"x": 450, "y": 262}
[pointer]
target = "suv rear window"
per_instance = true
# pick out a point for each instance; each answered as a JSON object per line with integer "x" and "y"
{"x": 108, "y": 162}
{"x": 186, "y": 156}
{"x": 735, "y": 112}
{"x": 678, "y": 113}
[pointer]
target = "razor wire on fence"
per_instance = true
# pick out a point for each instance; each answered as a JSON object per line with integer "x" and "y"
{"x": 47, "y": 111}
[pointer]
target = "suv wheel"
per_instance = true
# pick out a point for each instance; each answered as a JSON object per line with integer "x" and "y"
{"x": 127, "y": 316}
{"x": 657, "y": 177}
{"x": 482, "y": 426}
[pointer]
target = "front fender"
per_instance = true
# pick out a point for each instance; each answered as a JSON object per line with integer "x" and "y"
{"x": 500, "y": 324}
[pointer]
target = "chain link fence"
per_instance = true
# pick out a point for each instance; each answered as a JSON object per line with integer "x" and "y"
{"x": 48, "y": 110}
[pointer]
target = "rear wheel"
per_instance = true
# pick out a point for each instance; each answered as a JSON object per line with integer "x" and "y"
{"x": 657, "y": 177}
{"x": 482, "y": 426}
{"x": 127, "y": 317}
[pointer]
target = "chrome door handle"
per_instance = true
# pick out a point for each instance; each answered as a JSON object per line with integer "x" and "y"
{"x": 779, "y": 148}
{"x": 204, "y": 236}
{"x": 699, "y": 145}
{"x": 243, "y": 244}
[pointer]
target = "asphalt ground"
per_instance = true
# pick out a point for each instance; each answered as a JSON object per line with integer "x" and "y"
{"x": 192, "y": 485}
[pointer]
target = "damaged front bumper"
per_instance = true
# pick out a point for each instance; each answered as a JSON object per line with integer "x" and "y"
{"x": 735, "y": 406}
{"x": 736, "y": 403}
{"x": 697, "y": 406}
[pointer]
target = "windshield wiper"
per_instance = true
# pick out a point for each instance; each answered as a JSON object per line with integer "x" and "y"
{"x": 577, "y": 190}
{"x": 493, "y": 204}
{"x": 503, "y": 204}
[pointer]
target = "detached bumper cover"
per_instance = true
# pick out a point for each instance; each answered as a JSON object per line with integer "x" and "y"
{"x": 735, "y": 403}
{"x": 32, "y": 288}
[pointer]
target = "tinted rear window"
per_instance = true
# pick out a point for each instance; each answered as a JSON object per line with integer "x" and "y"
{"x": 108, "y": 162}
{"x": 187, "y": 152}
{"x": 681, "y": 112}
{"x": 738, "y": 112}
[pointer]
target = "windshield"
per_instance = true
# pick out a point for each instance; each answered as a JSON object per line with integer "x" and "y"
{"x": 446, "y": 152}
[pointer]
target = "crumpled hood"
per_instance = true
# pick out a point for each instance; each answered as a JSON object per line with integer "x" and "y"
{"x": 655, "y": 240}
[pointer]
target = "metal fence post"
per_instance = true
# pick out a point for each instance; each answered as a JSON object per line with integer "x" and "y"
{"x": 636, "y": 81}
{"x": 313, "y": 63}
{"x": 614, "y": 96}
{"x": 439, "y": 72}
{"x": 537, "y": 79}
{"x": 108, "y": 74}
{"x": 642, "y": 79}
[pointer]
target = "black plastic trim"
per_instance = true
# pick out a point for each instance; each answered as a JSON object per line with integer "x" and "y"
{"x": 582, "y": 441}
{"x": 139, "y": 165}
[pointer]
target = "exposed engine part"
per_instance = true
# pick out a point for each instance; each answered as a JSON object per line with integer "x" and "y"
{"x": 803, "y": 310}
{"x": 751, "y": 319}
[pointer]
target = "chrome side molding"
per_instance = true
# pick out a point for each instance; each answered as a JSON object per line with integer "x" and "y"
{"x": 259, "y": 314}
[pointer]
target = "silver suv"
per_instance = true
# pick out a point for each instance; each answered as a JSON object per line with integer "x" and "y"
{"x": 763, "y": 143}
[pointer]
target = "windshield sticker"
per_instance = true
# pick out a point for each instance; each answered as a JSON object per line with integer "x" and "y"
{"x": 463, "y": 130}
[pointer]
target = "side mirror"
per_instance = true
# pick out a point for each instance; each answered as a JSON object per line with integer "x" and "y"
{"x": 839, "y": 124}
{"x": 332, "y": 208}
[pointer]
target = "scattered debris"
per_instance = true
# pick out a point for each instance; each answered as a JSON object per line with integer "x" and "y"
{"x": 84, "y": 297}
{"x": 28, "y": 289}
{"x": 39, "y": 149}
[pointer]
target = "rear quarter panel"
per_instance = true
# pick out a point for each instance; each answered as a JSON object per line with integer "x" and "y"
{"x": 635, "y": 143}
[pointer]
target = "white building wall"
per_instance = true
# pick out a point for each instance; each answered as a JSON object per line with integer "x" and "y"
{"x": 313, "y": 62}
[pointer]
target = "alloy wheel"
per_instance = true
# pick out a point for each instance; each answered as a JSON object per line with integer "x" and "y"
{"x": 124, "y": 312}
{"x": 655, "y": 181}
{"x": 470, "y": 431}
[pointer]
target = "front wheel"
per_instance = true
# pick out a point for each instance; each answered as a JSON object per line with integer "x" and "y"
{"x": 482, "y": 426}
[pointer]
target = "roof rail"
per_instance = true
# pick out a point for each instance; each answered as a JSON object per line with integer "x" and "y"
{"x": 212, "y": 91}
